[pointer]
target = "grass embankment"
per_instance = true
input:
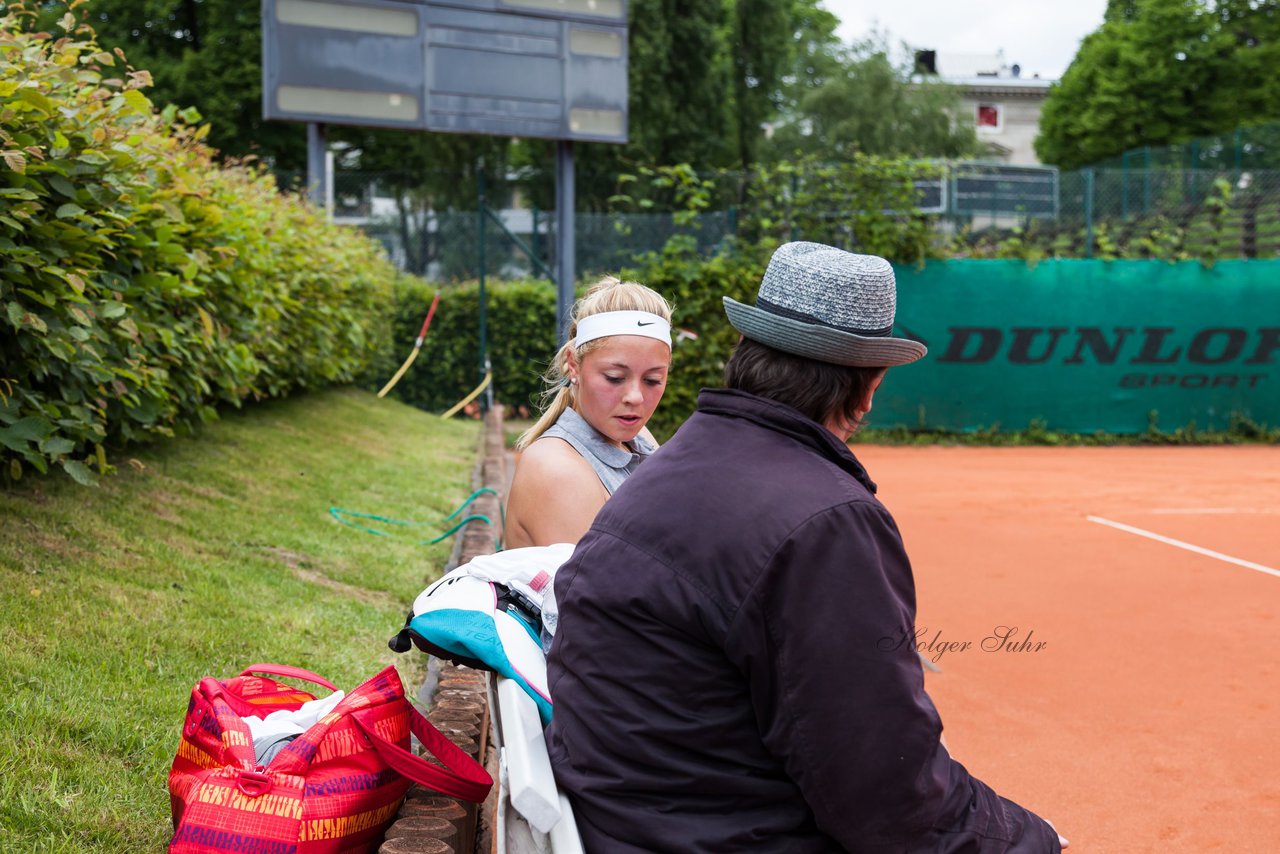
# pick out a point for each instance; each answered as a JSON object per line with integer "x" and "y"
{"x": 204, "y": 556}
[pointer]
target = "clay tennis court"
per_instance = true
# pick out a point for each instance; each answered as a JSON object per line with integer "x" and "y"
{"x": 1147, "y": 720}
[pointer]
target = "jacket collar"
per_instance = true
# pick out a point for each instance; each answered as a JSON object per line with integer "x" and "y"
{"x": 783, "y": 419}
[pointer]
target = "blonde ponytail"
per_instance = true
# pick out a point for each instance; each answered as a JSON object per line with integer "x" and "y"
{"x": 556, "y": 399}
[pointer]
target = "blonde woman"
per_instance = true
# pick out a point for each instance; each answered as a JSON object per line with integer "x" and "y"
{"x": 605, "y": 382}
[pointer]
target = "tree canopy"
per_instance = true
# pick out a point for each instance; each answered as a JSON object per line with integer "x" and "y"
{"x": 201, "y": 53}
{"x": 708, "y": 81}
{"x": 1163, "y": 71}
{"x": 861, "y": 102}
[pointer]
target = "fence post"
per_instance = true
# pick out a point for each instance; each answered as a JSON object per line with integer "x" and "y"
{"x": 533, "y": 238}
{"x": 795, "y": 189}
{"x": 1088, "y": 212}
{"x": 1124, "y": 185}
{"x": 1191, "y": 186}
{"x": 1146, "y": 179}
{"x": 318, "y": 177}
{"x": 481, "y": 207}
{"x": 565, "y": 259}
{"x": 995, "y": 203}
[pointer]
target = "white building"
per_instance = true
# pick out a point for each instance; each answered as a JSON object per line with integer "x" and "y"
{"x": 1003, "y": 105}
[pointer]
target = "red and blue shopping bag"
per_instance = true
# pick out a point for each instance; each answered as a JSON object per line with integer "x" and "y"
{"x": 334, "y": 788}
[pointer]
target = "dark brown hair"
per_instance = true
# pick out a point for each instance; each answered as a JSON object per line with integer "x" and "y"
{"x": 816, "y": 389}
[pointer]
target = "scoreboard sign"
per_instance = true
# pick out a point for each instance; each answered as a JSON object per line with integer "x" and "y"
{"x": 555, "y": 69}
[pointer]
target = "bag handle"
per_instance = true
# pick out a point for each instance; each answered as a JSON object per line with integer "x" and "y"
{"x": 462, "y": 777}
{"x": 290, "y": 671}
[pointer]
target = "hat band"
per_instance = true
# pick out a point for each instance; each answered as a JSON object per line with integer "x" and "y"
{"x": 610, "y": 323}
{"x": 774, "y": 308}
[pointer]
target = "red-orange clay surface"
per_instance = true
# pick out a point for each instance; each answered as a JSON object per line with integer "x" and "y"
{"x": 1149, "y": 719}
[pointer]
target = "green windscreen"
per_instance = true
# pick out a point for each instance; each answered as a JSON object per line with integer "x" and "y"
{"x": 1086, "y": 345}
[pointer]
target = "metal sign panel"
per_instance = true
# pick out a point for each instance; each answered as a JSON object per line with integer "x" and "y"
{"x": 1030, "y": 191}
{"x": 931, "y": 195}
{"x": 555, "y": 69}
{"x": 599, "y": 11}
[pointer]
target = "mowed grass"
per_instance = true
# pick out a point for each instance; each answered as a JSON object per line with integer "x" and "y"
{"x": 212, "y": 553}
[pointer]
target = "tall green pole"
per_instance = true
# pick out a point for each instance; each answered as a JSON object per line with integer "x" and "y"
{"x": 533, "y": 241}
{"x": 1193, "y": 154}
{"x": 481, "y": 209}
{"x": 1088, "y": 212}
{"x": 1124, "y": 183}
{"x": 791, "y": 207}
{"x": 565, "y": 251}
{"x": 1146, "y": 179}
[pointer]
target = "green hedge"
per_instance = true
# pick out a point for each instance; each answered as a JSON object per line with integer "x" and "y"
{"x": 522, "y": 337}
{"x": 141, "y": 284}
{"x": 520, "y": 321}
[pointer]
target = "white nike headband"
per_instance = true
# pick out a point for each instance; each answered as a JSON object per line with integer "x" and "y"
{"x": 609, "y": 323}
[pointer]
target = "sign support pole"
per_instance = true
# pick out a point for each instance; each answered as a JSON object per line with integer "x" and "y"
{"x": 482, "y": 204}
{"x": 564, "y": 236}
{"x": 317, "y": 177}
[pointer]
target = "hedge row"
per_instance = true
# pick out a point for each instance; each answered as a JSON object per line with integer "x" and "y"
{"x": 520, "y": 319}
{"x": 141, "y": 284}
{"x": 522, "y": 339}
{"x": 520, "y": 330}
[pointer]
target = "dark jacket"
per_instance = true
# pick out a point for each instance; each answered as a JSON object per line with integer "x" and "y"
{"x": 727, "y": 672}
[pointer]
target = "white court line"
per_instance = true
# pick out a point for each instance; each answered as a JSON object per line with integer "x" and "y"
{"x": 1207, "y": 511}
{"x": 1188, "y": 546}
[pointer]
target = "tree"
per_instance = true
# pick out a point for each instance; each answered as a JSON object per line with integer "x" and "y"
{"x": 817, "y": 55}
{"x": 678, "y": 80}
{"x": 868, "y": 104}
{"x": 1254, "y": 28}
{"x": 704, "y": 78}
{"x": 817, "y": 52}
{"x": 430, "y": 175}
{"x": 761, "y": 49}
{"x": 1121, "y": 10}
{"x": 1163, "y": 71}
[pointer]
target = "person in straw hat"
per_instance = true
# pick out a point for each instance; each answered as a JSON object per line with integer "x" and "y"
{"x": 726, "y": 672}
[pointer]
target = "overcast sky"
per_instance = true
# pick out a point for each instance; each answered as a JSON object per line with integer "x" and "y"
{"x": 1039, "y": 35}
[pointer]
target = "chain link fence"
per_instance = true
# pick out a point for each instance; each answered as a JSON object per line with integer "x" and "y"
{"x": 1214, "y": 197}
{"x": 1245, "y": 149}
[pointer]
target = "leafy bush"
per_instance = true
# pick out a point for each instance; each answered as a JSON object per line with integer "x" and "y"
{"x": 522, "y": 335}
{"x": 520, "y": 330}
{"x": 142, "y": 285}
{"x": 865, "y": 204}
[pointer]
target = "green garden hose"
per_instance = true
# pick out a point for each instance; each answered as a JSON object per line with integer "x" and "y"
{"x": 346, "y": 516}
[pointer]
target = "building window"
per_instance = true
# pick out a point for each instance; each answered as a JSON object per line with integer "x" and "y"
{"x": 990, "y": 118}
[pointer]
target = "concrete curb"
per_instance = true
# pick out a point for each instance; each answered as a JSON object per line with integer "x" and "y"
{"x": 428, "y": 822}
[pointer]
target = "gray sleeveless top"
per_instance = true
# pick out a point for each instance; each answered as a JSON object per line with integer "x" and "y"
{"x": 611, "y": 463}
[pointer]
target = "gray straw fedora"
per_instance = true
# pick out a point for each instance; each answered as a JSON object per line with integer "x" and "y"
{"x": 826, "y": 304}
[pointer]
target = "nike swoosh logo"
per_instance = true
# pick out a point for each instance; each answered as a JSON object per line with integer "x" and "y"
{"x": 641, "y": 323}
